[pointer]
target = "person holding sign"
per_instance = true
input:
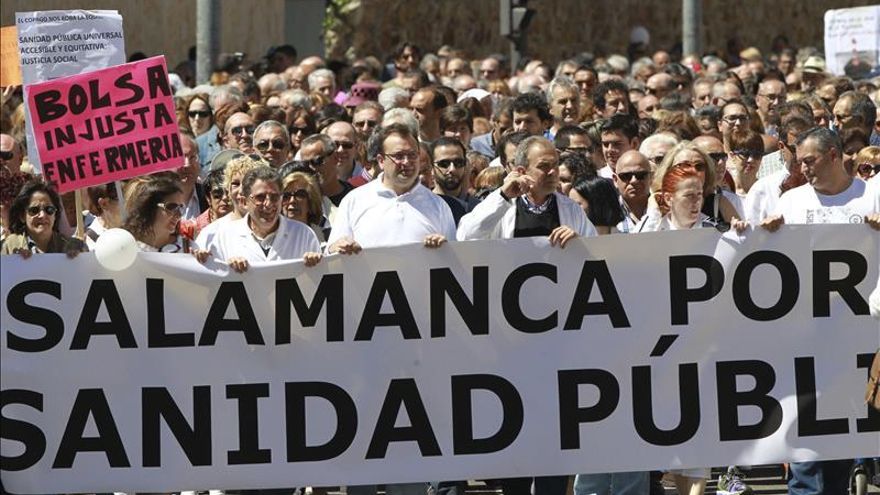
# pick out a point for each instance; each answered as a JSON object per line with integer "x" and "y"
{"x": 34, "y": 225}
{"x": 264, "y": 234}
{"x": 528, "y": 205}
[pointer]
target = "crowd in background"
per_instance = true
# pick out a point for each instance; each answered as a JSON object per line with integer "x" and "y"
{"x": 288, "y": 159}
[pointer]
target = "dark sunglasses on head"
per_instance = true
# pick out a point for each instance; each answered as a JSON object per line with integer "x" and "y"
{"x": 35, "y": 210}
{"x": 172, "y": 208}
{"x": 628, "y": 176}
{"x": 199, "y": 113}
{"x": 277, "y": 144}
{"x": 299, "y": 194}
{"x": 6, "y": 155}
{"x": 241, "y": 129}
{"x": 451, "y": 162}
{"x": 869, "y": 169}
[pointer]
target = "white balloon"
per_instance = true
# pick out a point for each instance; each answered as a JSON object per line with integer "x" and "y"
{"x": 116, "y": 249}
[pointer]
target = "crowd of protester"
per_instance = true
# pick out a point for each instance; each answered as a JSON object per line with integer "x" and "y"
{"x": 297, "y": 159}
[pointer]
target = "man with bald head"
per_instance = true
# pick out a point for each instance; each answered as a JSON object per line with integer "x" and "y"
{"x": 771, "y": 94}
{"x": 345, "y": 138}
{"x": 632, "y": 178}
{"x": 646, "y": 106}
{"x": 10, "y": 153}
{"x": 724, "y": 91}
{"x": 238, "y": 134}
{"x": 659, "y": 85}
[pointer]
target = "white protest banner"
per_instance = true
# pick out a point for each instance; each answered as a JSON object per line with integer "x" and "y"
{"x": 504, "y": 358}
{"x": 60, "y": 43}
{"x": 852, "y": 37}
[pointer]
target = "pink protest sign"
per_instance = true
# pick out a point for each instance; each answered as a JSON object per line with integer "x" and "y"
{"x": 106, "y": 125}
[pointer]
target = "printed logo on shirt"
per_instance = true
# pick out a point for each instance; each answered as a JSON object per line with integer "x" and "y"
{"x": 831, "y": 214}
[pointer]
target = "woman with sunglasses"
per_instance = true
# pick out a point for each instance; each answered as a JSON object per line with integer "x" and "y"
{"x": 34, "y": 225}
{"x": 198, "y": 117}
{"x": 302, "y": 125}
{"x": 867, "y": 163}
{"x": 153, "y": 212}
{"x": 301, "y": 201}
{"x": 218, "y": 200}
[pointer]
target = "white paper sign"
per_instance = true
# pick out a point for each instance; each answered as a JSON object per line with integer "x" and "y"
{"x": 60, "y": 43}
{"x": 852, "y": 36}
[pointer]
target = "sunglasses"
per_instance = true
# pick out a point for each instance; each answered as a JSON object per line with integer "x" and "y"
{"x": 869, "y": 169}
{"x": 346, "y": 145}
{"x": 296, "y": 130}
{"x": 35, "y": 210}
{"x": 263, "y": 197}
{"x": 451, "y": 162}
{"x": 218, "y": 193}
{"x": 298, "y": 194}
{"x": 6, "y": 155}
{"x": 628, "y": 176}
{"x": 172, "y": 208}
{"x": 239, "y": 130}
{"x": 745, "y": 154}
{"x": 718, "y": 157}
{"x": 730, "y": 119}
{"x": 199, "y": 113}
{"x": 369, "y": 124}
{"x": 276, "y": 144}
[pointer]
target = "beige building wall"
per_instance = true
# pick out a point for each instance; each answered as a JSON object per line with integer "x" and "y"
{"x": 168, "y": 27}
{"x": 560, "y": 29}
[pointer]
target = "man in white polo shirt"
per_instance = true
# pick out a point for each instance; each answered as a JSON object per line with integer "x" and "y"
{"x": 395, "y": 208}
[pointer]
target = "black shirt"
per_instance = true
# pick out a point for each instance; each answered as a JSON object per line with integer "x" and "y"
{"x": 337, "y": 198}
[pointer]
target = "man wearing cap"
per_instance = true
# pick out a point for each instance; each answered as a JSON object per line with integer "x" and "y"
{"x": 361, "y": 92}
{"x": 812, "y": 73}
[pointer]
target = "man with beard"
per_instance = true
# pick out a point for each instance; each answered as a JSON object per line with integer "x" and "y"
{"x": 451, "y": 172}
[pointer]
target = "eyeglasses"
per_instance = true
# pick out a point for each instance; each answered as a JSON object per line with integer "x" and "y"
{"x": 218, "y": 193}
{"x": 628, "y": 176}
{"x": 732, "y": 119}
{"x": 346, "y": 145}
{"x": 367, "y": 124}
{"x": 277, "y": 144}
{"x": 171, "y": 208}
{"x": 6, "y": 155}
{"x": 403, "y": 156}
{"x": 698, "y": 166}
{"x": 199, "y": 113}
{"x": 35, "y": 210}
{"x": 869, "y": 169}
{"x": 773, "y": 97}
{"x": 239, "y": 130}
{"x": 298, "y": 194}
{"x": 748, "y": 154}
{"x": 450, "y": 162}
{"x": 718, "y": 157}
{"x": 261, "y": 198}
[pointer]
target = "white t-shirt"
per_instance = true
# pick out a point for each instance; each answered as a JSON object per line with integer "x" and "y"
{"x": 763, "y": 197}
{"x": 803, "y": 205}
{"x": 375, "y": 216}
{"x": 606, "y": 172}
{"x": 290, "y": 241}
{"x": 736, "y": 200}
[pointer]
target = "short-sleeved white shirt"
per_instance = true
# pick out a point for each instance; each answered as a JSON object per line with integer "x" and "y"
{"x": 803, "y": 205}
